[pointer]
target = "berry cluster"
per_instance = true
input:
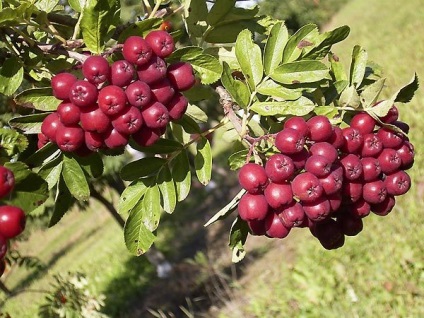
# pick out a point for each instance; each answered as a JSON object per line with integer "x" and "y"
{"x": 12, "y": 219}
{"x": 327, "y": 178}
{"x": 136, "y": 96}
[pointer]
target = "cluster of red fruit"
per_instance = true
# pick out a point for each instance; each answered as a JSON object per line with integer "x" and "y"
{"x": 12, "y": 219}
{"x": 136, "y": 96}
{"x": 327, "y": 178}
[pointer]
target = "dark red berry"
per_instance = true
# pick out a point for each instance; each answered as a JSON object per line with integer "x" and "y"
{"x": 299, "y": 124}
{"x": 257, "y": 227}
{"x": 147, "y": 136}
{"x": 112, "y": 100}
{"x": 181, "y": 76}
{"x": 333, "y": 182}
{"x": 61, "y": 84}
{"x": 50, "y": 125}
{"x": 406, "y": 154}
{"x": 349, "y": 225}
{"x": 152, "y": 71}
{"x": 113, "y": 139}
{"x": 374, "y": 192}
{"x": 177, "y": 106}
{"x": 138, "y": 94}
{"x": 337, "y": 138}
{"x": 69, "y": 114}
{"x": 389, "y": 161}
{"x": 161, "y": 43}
{"x": 122, "y": 73}
{"x": 335, "y": 201}
{"x": 372, "y": 146}
{"x": 136, "y": 50}
{"x": 69, "y": 138}
{"x": 93, "y": 140}
{"x": 306, "y": 187}
{"x": 155, "y": 115}
{"x": 12, "y": 221}
{"x": 95, "y": 120}
{"x": 7, "y": 182}
{"x": 83, "y": 94}
{"x": 353, "y": 140}
{"x": 289, "y": 141}
{"x": 359, "y": 209}
{"x": 293, "y": 215}
{"x": 253, "y": 207}
{"x": 384, "y": 207}
{"x": 318, "y": 165}
{"x": 352, "y": 191}
{"x": 329, "y": 234}
{"x": 389, "y": 138}
{"x": 352, "y": 167}
{"x": 397, "y": 183}
{"x": 129, "y": 121}
{"x": 324, "y": 149}
{"x": 96, "y": 69}
{"x": 274, "y": 227}
{"x": 371, "y": 169}
{"x": 299, "y": 159}
{"x": 279, "y": 168}
{"x": 391, "y": 116}
{"x": 363, "y": 122}
{"x": 320, "y": 128}
{"x": 317, "y": 210}
{"x": 162, "y": 91}
{"x": 253, "y": 178}
{"x": 278, "y": 195}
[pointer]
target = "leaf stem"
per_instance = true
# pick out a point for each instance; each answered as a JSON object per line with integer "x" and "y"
{"x": 155, "y": 9}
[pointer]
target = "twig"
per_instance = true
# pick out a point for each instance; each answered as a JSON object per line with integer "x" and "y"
{"x": 54, "y": 49}
{"x": 227, "y": 103}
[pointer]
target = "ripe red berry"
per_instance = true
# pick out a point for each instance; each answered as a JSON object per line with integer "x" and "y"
{"x": 129, "y": 121}
{"x": 253, "y": 207}
{"x": 333, "y": 182}
{"x": 324, "y": 149}
{"x": 7, "y": 182}
{"x": 389, "y": 161}
{"x": 138, "y": 94}
{"x": 320, "y": 128}
{"x": 136, "y": 50}
{"x": 50, "y": 125}
{"x": 161, "y": 43}
{"x": 61, "y": 84}
{"x": 153, "y": 71}
{"x": 113, "y": 139}
{"x": 384, "y": 207}
{"x": 274, "y": 227}
{"x": 389, "y": 138}
{"x": 96, "y": 69}
{"x": 181, "y": 76}
{"x": 397, "y": 183}
{"x": 351, "y": 191}
{"x": 162, "y": 91}
{"x": 112, "y": 100}
{"x": 372, "y": 146}
{"x": 42, "y": 140}
{"x": 69, "y": 114}
{"x": 317, "y": 210}
{"x": 122, "y": 73}
{"x": 306, "y": 187}
{"x": 147, "y": 136}
{"x": 406, "y": 154}
{"x": 353, "y": 140}
{"x": 336, "y": 138}
{"x": 329, "y": 234}
{"x": 352, "y": 167}
{"x": 177, "y": 106}
{"x": 12, "y": 221}
{"x": 289, "y": 141}
{"x": 391, "y": 116}
{"x": 3, "y": 247}
{"x": 335, "y": 201}
{"x": 349, "y": 225}
{"x": 371, "y": 169}
{"x": 257, "y": 227}
{"x": 374, "y": 192}
{"x": 253, "y": 178}
{"x": 278, "y": 195}
{"x": 359, "y": 209}
{"x": 83, "y": 94}
{"x": 299, "y": 124}
{"x": 94, "y": 119}
{"x": 363, "y": 122}
{"x": 318, "y": 165}
{"x": 155, "y": 115}
{"x": 69, "y": 138}
{"x": 279, "y": 168}
{"x": 292, "y": 215}
{"x": 93, "y": 140}
{"x": 299, "y": 159}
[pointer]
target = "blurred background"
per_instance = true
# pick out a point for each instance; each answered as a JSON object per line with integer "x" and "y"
{"x": 379, "y": 273}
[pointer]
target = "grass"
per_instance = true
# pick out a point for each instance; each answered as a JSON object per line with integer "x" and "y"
{"x": 380, "y": 273}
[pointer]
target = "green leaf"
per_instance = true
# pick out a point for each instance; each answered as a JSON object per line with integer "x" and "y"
{"x": 208, "y": 68}
{"x": 151, "y": 209}
{"x": 226, "y": 210}
{"x": 331, "y": 112}
{"x": 274, "y": 48}
{"x": 139, "y": 28}
{"x": 38, "y": 98}
{"x": 219, "y": 10}
{"x": 46, "y": 5}
{"x": 196, "y": 113}
{"x": 189, "y": 125}
{"x": 63, "y": 203}
{"x": 138, "y": 238}
{"x": 297, "y": 42}
{"x": 334, "y": 91}
{"x": 92, "y": 164}
{"x": 199, "y": 92}
{"x": 11, "y": 16}
{"x": 30, "y": 190}
{"x": 195, "y": 13}
{"x": 299, "y": 107}
{"x": 227, "y": 32}
{"x": 11, "y": 142}
{"x": 77, "y": 5}
{"x": 237, "y": 89}
{"x": 238, "y": 159}
{"x": 51, "y": 172}
{"x": 11, "y": 76}
{"x": 75, "y": 179}
{"x": 350, "y": 98}
{"x": 300, "y": 72}
{"x": 273, "y": 89}
{"x": 329, "y": 38}
{"x": 161, "y": 146}
{"x": 371, "y": 93}
{"x": 406, "y": 93}
{"x": 186, "y": 53}
{"x": 43, "y": 155}
{"x": 181, "y": 175}
{"x": 167, "y": 188}
{"x": 337, "y": 69}
{"x": 238, "y": 236}
{"x": 97, "y": 18}
{"x": 249, "y": 57}
{"x": 30, "y": 124}
{"x": 142, "y": 168}
{"x": 203, "y": 161}
{"x": 224, "y": 54}
{"x": 358, "y": 66}
{"x": 133, "y": 194}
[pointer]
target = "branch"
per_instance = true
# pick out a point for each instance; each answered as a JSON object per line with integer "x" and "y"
{"x": 227, "y": 103}
{"x": 60, "y": 50}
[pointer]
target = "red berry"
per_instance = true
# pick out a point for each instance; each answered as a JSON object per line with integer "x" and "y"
{"x": 155, "y": 115}
{"x": 83, "y": 94}
{"x": 363, "y": 122}
{"x": 406, "y": 154}
{"x": 324, "y": 149}
{"x": 50, "y": 125}
{"x": 93, "y": 140}
{"x": 42, "y": 140}
{"x": 69, "y": 114}
{"x": 7, "y": 182}
{"x": 374, "y": 192}
{"x": 162, "y": 91}
{"x": 61, "y": 84}
{"x": 371, "y": 169}
{"x": 360, "y": 209}
{"x": 138, "y": 94}
{"x": 278, "y": 195}
{"x": 333, "y": 182}
{"x": 122, "y": 73}
{"x": 389, "y": 160}
{"x": 320, "y": 128}
{"x": 177, "y": 106}
{"x": 335, "y": 201}
{"x": 147, "y": 136}
{"x": 96, "y": 69}
{"x": 350, "y": 225}
{"x": 274, "y": 227}
{"x": 153, "y": 71}
{"x": 299, "y": 159}
{"x": 292, "y": 215}
{"x": 113, "y": 139}
{"x": 336, "y": 138}
{"x": 353, "y": 140}
{"x": 181, "y": 76}
{"x": 389, "y": 138}
{"x": 289, "y": 141}
{"x": 352, "y": 167}
{"x": 253, "y": 178}
{"x": 95, "y": 120}
{"x": 384, "y": 207}
{"x": 69, "y": 138}
{"x": 306, "y": 187}
{"x": 279, "y": 168}
{"x": 12, "y": 221}
{"x": 397, "y": 183}
{"x": 161, "y": 43}
{"x": 391, "y": 116}
{"x": 352, "y": 191}
{"x": 257, "y": 227}
{"x": 372, "y": 146}
{"x": 253, "y": 207}
{"x": 317, "y": 210}
{"x": 299, "y": 124}
{"x": 402, "y": 126}
{"x": 112, "y": 99}
{"x": 318, "y": 165}
{"x": 329, "y": 234}
{"x": 136, "y": 50}
{"x": 129, "y": 121}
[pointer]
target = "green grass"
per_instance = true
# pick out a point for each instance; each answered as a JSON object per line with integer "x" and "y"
{"x": 380, "y": 273}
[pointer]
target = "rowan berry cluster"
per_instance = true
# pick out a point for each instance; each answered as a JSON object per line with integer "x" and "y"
{"x": 12, "y": 219}
{"x": 327, "y": 178}
{"x": 133, "y": 97}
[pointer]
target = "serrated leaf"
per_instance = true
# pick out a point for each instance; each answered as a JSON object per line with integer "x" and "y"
{"x": 181, "y": 175}
{"x": 186, "y": 53}
{"x": 139, "y": 28}
{"x": 208, "y": 68}
{"x": 51, "y": 172}
{"x": 63, "y": 202}
{"x": 358, "y": 66}
{"x": 293, "y": 50}
{"x": 11, "y": 76}
{"x": 300, "y": 72}
{"x": 371, "y": 93}
{"x": 46, "y": 5}
{"x": 224, "y": 54}
{"x": 138, "y": 238}
{"x": 226, "y": 210}
{"x": 92, "y": 164}
{"x": 142, "y": 168}
{"x": 238, "y": 236}
{"x": 219, "y": 10}
{"x": 334, "y": 91}
{"x": 237, "y": 89}
{"x": 75, "y": 179}
{"x": 299, "y": 107}
{"x": 167, "y": 188}
{"x": 10, "y": 16}
{"x": 133, "y": 194}
{"x": 273, "y": 89}
{"x": 76, "y": 5}
{"x": 238, "y": 159}
{"x": 331, "y": 112}
{"x": 328, "y": 39}
{"x": 151, "y": 210}
{"x": 350, "y": 98}
{"x": 406, "y": 93}
{"x": 30, "y": 124}
{"x": 38, "y": 98}
{"x": 249, "y": 57}
{"x": 188, "y": 124}
{"x": 196, "y": 113}
{"x": 43, "y": 155}
{"x": 162, "y": 146}
{"x": 199, "y": 92}
{"x": 195, "y": 13}
{"x": 203, "y": 161}
{"x": 337, "y": 69}
{"x": 11, "y": 142}
{"x": 274, "y": 48}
